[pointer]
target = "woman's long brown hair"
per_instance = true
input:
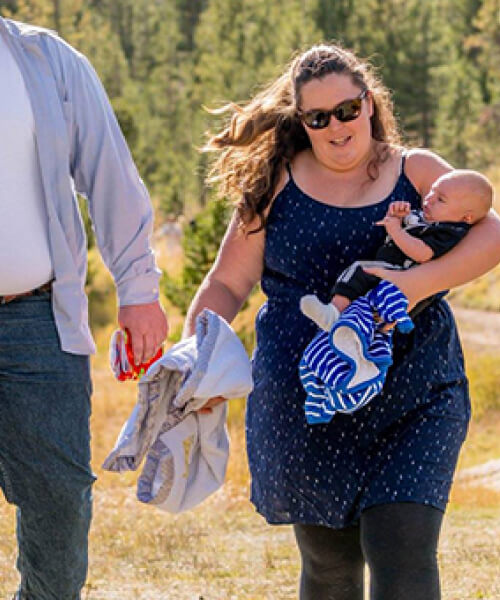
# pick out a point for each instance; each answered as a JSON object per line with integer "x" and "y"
{"x": 266, "y": 133}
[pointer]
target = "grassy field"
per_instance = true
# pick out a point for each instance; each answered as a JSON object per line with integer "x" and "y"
{"x": 223, "y": 550}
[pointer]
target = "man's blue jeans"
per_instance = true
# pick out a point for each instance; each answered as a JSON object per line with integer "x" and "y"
{"x": 45, "y": 449}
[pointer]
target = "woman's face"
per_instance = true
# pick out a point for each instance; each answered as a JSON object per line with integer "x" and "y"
{"x": 339, "y": 146}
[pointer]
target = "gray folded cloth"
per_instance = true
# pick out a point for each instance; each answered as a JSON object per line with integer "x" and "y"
{"x": 186, "y": 451}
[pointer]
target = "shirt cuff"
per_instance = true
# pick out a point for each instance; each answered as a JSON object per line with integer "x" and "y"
{"x": 140, "y": 289}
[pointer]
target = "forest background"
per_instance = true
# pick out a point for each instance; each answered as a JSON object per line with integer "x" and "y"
{"x": 161, "y": 62}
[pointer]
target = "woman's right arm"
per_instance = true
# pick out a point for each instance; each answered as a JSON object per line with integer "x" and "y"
{"x": 237, "y": 268}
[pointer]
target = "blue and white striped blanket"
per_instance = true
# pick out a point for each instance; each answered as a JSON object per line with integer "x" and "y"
{"x": 343, "y": 369}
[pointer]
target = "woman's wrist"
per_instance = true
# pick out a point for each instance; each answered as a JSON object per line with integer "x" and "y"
{"x": 413, "y": 286}
{"x": 412, "y": 282}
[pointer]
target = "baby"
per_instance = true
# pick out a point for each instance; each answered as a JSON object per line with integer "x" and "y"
{"x": 455, "y": 202}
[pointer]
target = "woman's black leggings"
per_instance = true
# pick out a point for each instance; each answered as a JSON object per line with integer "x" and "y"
{"x": 397, "y": 541}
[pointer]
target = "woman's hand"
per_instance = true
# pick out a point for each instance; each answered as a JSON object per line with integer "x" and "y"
{"x": 211, "y": 403}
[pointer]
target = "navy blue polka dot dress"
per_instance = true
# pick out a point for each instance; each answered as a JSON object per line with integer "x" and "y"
{"x": 403, "y": 446}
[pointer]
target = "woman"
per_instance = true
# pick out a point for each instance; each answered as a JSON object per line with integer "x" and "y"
{"x": 314, "y": 161}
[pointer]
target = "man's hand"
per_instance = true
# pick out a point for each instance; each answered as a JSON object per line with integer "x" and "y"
{"x": 148, "y": 327}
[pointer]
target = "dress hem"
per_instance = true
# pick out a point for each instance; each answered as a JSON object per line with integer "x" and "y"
{"x": 298, "y": 520}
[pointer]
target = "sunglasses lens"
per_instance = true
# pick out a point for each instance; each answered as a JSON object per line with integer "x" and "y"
{"x": 343, "y": 112}
{"x": 348, "y": 111}
{"x": 317, "y": 119}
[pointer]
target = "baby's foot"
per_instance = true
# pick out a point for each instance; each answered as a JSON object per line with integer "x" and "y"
{"x": 324, "y": 315}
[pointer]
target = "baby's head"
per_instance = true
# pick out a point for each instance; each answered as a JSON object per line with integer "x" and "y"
{"x": 459, "y": 196}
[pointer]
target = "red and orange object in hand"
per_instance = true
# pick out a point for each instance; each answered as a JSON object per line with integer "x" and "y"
{"x": 121, "y": 357}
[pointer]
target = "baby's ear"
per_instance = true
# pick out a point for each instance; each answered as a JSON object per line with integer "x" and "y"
{"x": 468, "y": 218}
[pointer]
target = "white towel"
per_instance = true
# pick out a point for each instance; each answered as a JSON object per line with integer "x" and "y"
{"x": 186, "y": 451}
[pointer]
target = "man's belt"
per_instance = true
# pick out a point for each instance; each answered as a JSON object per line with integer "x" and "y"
{"x": 46, "y": 287}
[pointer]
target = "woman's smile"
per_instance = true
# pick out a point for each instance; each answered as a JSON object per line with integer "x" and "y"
{"x": 341, "y": 141}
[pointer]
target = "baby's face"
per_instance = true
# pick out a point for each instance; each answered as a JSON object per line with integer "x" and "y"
{"x": 448, "y": 200}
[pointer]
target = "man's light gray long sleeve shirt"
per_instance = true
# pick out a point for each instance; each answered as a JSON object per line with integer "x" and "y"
{"x": 81, "y": 148}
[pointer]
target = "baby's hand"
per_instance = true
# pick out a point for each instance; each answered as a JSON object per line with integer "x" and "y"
{"x": 399, "y": 209}
{"x": 390, "y": 223}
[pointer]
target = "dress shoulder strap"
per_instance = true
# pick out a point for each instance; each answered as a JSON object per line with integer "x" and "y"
{"x": 403, "y": 160}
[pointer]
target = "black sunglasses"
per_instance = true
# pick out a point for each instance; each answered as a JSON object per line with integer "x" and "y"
{"x": 345, "y": 111}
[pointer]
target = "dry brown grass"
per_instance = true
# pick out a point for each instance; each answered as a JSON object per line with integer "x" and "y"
{"x": 223, "y": 550}
{"x": 469, "y": 554}
{"x": 482, "y": 442}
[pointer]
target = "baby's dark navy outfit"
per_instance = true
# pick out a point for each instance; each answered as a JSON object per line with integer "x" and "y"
{"x": 440, "y": 237}
{"x": 403, "y": 446}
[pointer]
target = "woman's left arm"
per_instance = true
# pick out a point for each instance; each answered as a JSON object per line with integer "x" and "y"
{"x": 477, "y": 253}
{"x": 474, "y": 255}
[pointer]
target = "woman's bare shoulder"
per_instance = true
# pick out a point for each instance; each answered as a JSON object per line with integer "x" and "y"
{"x": 423, "y": 167}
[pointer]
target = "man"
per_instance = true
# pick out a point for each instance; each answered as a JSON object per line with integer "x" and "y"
{"x": 58, "y": 134}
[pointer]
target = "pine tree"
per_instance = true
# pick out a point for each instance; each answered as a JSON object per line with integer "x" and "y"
{"x": 36, "y": 12}
{"x": 201, "y": 241}
{"x": 402, "y": 39}
{"x": 458, "y": 112}
{"x": 333, "y": 18}
{"x": 486, "y": 42}
{"x": 485, "y": 45}
{"x": 239, "y": 46}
